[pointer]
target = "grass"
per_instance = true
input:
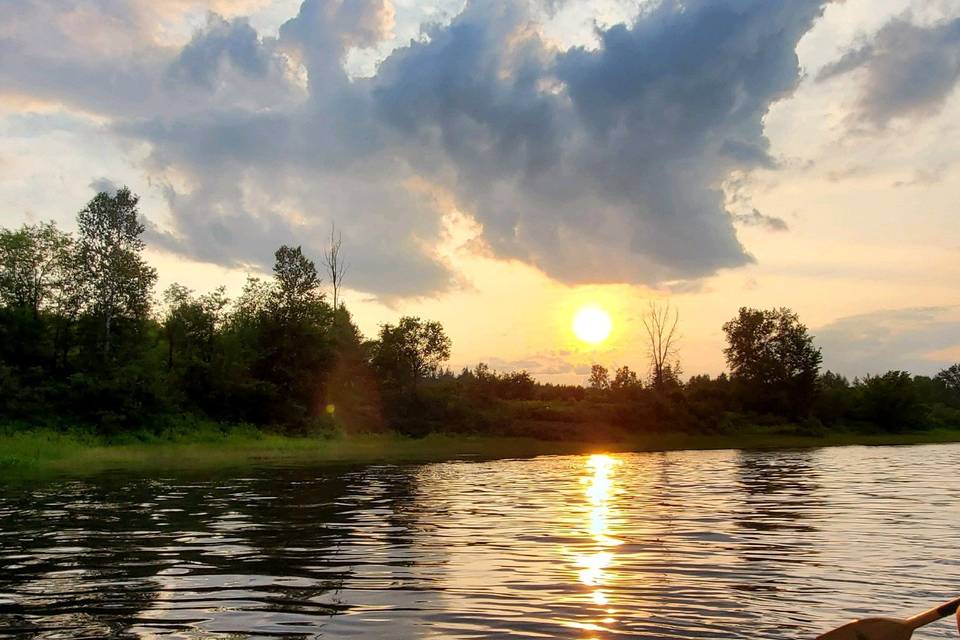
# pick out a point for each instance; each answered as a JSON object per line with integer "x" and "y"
{"x": 40, "y": 451}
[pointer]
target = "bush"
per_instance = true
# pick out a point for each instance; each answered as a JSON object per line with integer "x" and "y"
{"x": 891, "y": 402}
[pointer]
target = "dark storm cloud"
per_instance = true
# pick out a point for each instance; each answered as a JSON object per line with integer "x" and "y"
{"x": 597, "y": 165}
{"x": 233, "y": 43}
{"x": 907, "y": 69}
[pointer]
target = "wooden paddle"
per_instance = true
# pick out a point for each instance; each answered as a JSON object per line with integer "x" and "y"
{"x": 889, "y": 628}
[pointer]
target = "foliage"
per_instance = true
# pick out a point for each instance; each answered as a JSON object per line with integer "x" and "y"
{"x": 892, "y": 401}
{"x": 80, "y": 343}
{"x": 950, "y": 378}
{"x": 112, "y": 280}
{"x": 409, "y": 351}
{"x": 599, "y": 378}
{"x": 297, "y": 289}
{"x": 625, "y": 379}
{"x": 772, "y": 357}
{"x": 34, "y": 265}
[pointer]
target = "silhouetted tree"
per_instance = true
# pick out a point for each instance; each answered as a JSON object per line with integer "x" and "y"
{"x": 599, "y": 377}
{"x": 950, "y": 377}
{"x": 625, "y": 379}
{"x": 78, "y": 344}
{"x": 660, "y": 322}
{"x": 772, "y": 354}
{"x": 891, "y": 401}
{"x": 336, "y": 265}
{"x": 835, "y": 400}
{"x": 410, "y": 350}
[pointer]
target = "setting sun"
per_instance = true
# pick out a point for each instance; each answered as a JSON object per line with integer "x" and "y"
{"x": 592, "y": 325}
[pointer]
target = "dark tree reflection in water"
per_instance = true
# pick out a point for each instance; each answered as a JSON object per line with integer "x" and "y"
{"x": 719, "y": 544}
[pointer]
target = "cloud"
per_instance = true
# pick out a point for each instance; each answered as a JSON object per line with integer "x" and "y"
{"x": 757, "y": 219}
{"x": 906, "y": 70}
{"x": 599, "y": 165}
{"x": 234, "y": 44}
{"x": 924, "y": 177}
{"x": 541, "y": 364}
{"x": 103, "y": 185}
{"x": 916, "y": 340}
{"x": 595, "y": 165}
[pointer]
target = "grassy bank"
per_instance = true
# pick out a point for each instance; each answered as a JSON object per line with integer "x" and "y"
{"x": 46, "y": 451}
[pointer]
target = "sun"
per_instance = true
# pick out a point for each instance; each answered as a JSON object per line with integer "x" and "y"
{"x": 592, "y": 325}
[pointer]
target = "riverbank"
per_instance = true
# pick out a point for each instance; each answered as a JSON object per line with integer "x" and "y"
{"x": 46, "y": 451}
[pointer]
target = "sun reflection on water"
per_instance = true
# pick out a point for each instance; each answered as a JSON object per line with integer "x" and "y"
{"x": 594, "y": 566}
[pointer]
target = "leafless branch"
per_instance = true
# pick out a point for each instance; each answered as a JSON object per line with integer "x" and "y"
{"x": 336, "y": 265}
{"x": 661, "y": 321}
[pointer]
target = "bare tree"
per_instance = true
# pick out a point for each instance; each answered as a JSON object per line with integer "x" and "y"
{"x": 336, "y": 265}
{"x": 660, "y": 322}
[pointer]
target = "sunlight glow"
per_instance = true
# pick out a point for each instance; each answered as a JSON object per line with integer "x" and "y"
{"x": 592, "y": 325}
{"x": 593, "y": 566}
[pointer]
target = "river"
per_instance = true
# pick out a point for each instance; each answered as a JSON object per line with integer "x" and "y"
{"x": 698, "y": 544}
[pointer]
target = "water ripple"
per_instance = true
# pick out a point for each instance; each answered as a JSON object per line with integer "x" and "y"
{"x": 674, "y": 545}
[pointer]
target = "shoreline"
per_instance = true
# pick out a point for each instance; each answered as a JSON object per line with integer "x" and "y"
{"x": 45, "y": 452}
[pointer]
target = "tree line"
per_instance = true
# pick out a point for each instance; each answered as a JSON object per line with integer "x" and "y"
{"x": 83, "y": 342}
{"x": 774, "y": 374}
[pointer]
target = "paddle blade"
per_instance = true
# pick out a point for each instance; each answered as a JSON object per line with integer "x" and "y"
{"x": 871, "y": 629}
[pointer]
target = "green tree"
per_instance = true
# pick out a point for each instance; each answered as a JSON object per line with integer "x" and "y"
{"x": 295, "y": 340}
{"x": 599, "y": 377}
{"x": 191, "y": 323}
{"x": 33, "y": 265}
{"x": 772, "y": 355}
{"x": 297, "y": 283}
{"x": 114, "y": 282}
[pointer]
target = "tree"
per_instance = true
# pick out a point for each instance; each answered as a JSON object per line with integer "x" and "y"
{"x": 950, "y": 377}
{"x": 773, "y": 356}
{"x": 624, "y": 379}
{"x": 891, "y": 401}
{"x": 33, "y": 265}
{"x": 113, "y": 279}
{"x": 660, "y": 322}
{"x": 279, "y": 346}
{"x": 410, "y": 350}
{"x": 298, "y": 286}
{"x": 336, "y": 265}
{"x": 191, "y": 323}
{"x": 599, "y": 377}
{"x": 255, "y": 300}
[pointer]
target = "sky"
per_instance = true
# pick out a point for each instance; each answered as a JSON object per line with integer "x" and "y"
{"x": 498, "y": 164}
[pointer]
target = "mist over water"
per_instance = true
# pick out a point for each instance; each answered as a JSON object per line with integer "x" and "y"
{"x": 722, "y": 544}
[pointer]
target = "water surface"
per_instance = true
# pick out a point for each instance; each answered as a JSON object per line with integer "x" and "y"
{"x": 721, "y": 544}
